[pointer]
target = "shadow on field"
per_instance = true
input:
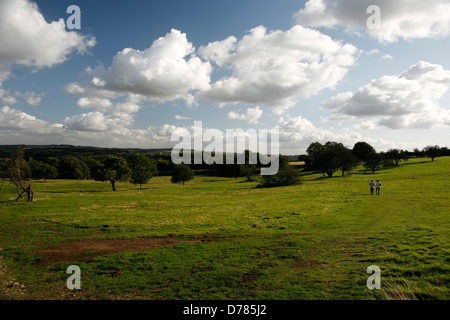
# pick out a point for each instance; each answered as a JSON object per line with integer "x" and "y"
{"x": 412, "y": 163}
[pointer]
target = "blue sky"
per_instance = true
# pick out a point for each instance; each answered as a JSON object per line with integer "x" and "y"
{"x": 137, "y": 71}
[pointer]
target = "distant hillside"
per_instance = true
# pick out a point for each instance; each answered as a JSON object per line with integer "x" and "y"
{"x": 43, "y": 151}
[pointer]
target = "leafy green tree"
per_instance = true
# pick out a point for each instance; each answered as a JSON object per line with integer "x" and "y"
{"x": 182, "y": 173}
{"x": 94, "y": 163}
{"x": 40, "y": 170}
{"x": 396, "y": 156}
{"x": 374, "y": 163}
{"x": 71, "y": 167}
{"x": 115, "y": 169}
{"x": 230, "y": 170}
{"x": 348, "y": 161}
{"x": 432, "y": 152}
{"x": 313, "y": 151}
{"x": 5, "y": 164}
{"x": 48, "y": 172}
{"x": 249, "y": 170}
{"x": 363, "y": 151}
{"x": 164, "y": 165}
{"x": 332, "y": 157}
{"x": 283, "y": 161}
{"x": 142, "y": 168}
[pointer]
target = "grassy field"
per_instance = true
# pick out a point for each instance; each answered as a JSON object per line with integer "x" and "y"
{"x": 221, "y": 238}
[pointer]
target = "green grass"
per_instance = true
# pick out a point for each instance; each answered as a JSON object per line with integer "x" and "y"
{"x": 233, "y": 240}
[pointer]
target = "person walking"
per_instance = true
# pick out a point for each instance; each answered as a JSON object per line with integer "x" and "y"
{"x": 372, "y": 185}
{"x": 378, "y": 186}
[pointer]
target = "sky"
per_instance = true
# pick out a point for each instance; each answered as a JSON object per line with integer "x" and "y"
{"x": 138, "y": 71}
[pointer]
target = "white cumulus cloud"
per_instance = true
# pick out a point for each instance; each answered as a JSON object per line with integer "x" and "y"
{"x": 409, "y": 100}
{"x": 400, "y": 19}
{"x": 276, "y": 68}
{"x": 28, "y": 39}
{"x": 167, "y": 70}
{"x": 251, "y": 116}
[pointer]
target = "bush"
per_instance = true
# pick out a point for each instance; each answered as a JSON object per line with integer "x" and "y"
{"x": 285, "y": 177}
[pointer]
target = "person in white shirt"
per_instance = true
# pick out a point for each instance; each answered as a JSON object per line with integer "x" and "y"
{"x": 372, "y": 185}
{"x": 378, "y": 186}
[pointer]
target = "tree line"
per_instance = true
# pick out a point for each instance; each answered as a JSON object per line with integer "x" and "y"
{"x": 139, "y": 167}
{"x": 135, "y": 167}
{"x": 332, "y": 156}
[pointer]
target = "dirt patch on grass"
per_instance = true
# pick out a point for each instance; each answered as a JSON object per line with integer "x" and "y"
{"x": 87, "y": 249}
{"x": 250, "y": 276}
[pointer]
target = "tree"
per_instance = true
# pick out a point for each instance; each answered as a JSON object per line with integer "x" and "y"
{"x": 71, "y": 167}
{"x": 182, "y": 173}
{"x": 142, "y": 168}
{"x": 48, "y": 172}
{"x": 348, "y": 161}
{"x": 234, "y": 170}
{"x": 396, "y": 155}
{"x": 363, "y": 151}
{"x": 374, "y": 163}
{"x": 445, "y": 152}
{"x": 164, "y": 165}
{"x": 417, "y": 153}
{"x": 40, "y": 170}
{"x": 249, "y": 170}
{"x": 432, "y": 152}
{"x": 18, "y": 172}
{"x": 333, "y": 157}
{"x": 5, "y": 164}
{"x": 313, "y": 151}
{"x": 283, "y": 161}
{"x": 115, "y": 169}
{"x": 94, "y": 164}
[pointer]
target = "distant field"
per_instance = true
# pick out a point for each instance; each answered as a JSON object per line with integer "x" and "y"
{"x": 221, "y": 238}
{"x": 297, "y": 163}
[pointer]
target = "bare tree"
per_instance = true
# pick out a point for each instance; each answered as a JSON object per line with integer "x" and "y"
{"x": 18, "y": 171}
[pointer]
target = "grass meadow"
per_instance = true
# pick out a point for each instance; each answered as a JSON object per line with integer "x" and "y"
{"x": 224, "y": 239}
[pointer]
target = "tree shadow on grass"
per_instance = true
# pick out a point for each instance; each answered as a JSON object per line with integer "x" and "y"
{"x": 412, "y": 163}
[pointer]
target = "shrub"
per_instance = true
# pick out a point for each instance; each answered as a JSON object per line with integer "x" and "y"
{"x": 285, "y": 177}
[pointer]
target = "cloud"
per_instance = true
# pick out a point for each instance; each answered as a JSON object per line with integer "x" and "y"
{"x": 31, "y": 98}
{"x": 167, "y": 70}
{"x": 297, "y": 133}
{"x": 92, "y": 121}
{"x": 6, "y": 98}
{"x": 251, "y": 116}
{"x": 400, "y": 19}
{"x": 27, "y": 39}
{"x": 16, "y": 120}
{"x": 366, "y": 125}
{"x": 178, "y": 117}
{"x": 408, "y": 100}
{"x": 371, "y": 52}
{"x": 387, "y": 57}
{"x": 105, "y": 105}
{"x": 276, "y": 68}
